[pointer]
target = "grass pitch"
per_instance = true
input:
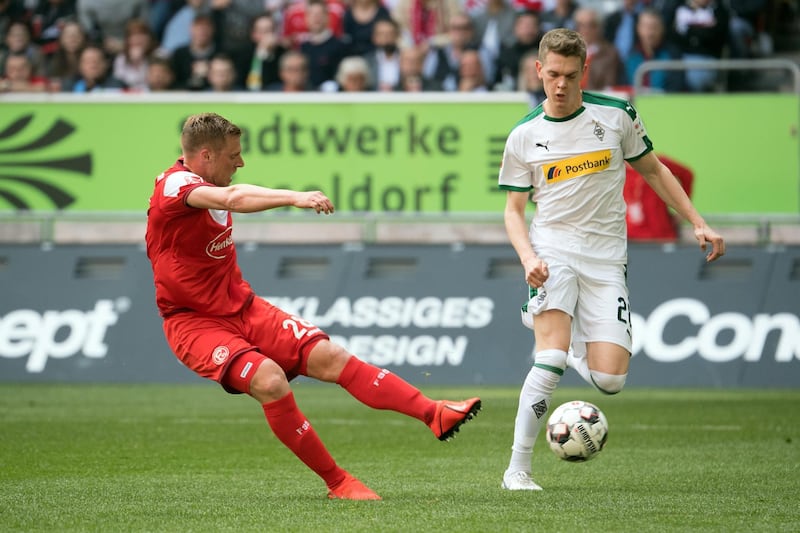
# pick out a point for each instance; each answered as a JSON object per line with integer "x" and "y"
{"x": 192, "y": 458}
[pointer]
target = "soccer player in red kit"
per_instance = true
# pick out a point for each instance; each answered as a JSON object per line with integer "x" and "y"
{"x": 219, "y": 329}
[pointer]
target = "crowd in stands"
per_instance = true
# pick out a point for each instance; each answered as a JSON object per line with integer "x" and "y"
{"x": 357, "y": 45}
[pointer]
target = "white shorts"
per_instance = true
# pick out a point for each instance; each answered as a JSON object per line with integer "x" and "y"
{"x": 594, "y": 294}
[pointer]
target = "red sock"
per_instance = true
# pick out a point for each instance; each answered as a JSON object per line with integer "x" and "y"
{"x": 381, "y": 389}
{"x": 294, "y": 431}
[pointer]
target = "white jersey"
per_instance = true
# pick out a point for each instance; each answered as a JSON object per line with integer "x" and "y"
{"x": 575, "y": 166}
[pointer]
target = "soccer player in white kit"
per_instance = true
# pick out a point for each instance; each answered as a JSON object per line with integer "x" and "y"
{"x": 571, "y": 152}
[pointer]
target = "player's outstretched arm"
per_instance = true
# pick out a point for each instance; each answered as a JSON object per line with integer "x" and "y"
{"x": 245, "y": 198}
{"x": 669, "y": 189}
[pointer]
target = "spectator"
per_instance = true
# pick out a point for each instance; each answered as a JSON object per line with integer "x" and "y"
{"x": 494, "y": 30}
{"x": 49, "y": 16}
{"x": 529, "y": 81}
{"x": 412, "y": 80}
{"x": 232, "y": 18}
{"x": 384, "y": 60}
{"x": 160, "y": 13}
{"x": 177, "y": 32}
{"x": 293, "y": 73}
{"x": 471, "y": 78}
{"x": 359, "y": 21}
{"x": 746, "y": 38}
{"x": 648, "y": 217}
{"x": 222, "y": 74}
{"x": 295, "y": 25}
{"x": 159, "y": 75}
{"x": 18, "y": 42}
{"x": 651, "y": 45}
{"x": 424, "y": 22}
{"x": 258, "y": 64}
{"x": 18, "y": 76}
{"x": 620, "y": 26}
{"x": 702, "y": 29}
{"x": 322, "y": 48}
{"x": 353, "y": 75}
{"x": 130, "y": 65}
{"x": 442, "y": 63}
{"x": 527, "y": 34}
{"x": 667, "y": 9}
{"x": 605, "y": 66}
{"x": 105, "y": 20}
{"x": 94, "y": 73}
{"x": 61, "y": 67}
{"x": 190, "y": 62}
{"x": 11, "y": 11}
{"x": 562, "y": 15}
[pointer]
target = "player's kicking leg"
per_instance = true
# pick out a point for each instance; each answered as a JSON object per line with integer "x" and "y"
{"x": 381, "y": 389}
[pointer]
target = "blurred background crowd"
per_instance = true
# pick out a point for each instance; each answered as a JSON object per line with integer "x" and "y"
{"x": 375, "y": 45}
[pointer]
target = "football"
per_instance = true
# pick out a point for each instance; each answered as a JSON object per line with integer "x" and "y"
{"x": 577, "y": 431}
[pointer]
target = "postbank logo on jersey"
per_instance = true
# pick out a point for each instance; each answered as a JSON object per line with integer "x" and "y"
{"x": 218, "y": 247}
{"x": 577, "y": 166}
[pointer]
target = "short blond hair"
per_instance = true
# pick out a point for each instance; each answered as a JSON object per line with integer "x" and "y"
{"x": 563, "y": 42}
{"x": 207, "y": 130}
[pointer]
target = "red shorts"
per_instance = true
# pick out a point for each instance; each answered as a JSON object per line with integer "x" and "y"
{"x": 210, "y": 345}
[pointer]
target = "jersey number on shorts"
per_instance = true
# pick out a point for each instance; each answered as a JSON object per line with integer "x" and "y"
{"x": 624, "y": 314}
{"x": 307, "y": 330}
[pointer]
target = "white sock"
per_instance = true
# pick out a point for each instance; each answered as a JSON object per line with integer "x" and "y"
{"x": 581, "y": 365}
{"x": 534, "y": 401}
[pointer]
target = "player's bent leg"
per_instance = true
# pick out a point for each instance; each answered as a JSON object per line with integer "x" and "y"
{"x": 268, "y": 384}
{"x": 608, "y": 366}
{"x": 576, "y": 359}
{"x": 608, "y": 383}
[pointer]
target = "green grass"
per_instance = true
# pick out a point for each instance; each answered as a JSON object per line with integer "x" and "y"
{"x": 191, "y": 458}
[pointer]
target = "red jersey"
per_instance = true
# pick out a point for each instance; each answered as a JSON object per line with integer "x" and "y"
{"x": 192, "y": 250}
{"x": 294, "y": 21}
{"x": 648, "y": 217}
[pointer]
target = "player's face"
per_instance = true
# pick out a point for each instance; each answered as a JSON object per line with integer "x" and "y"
{"x": 223, "y": 163}
{"x": 561, "y": 80}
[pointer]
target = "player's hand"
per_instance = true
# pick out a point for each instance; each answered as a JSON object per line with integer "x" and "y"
{"x": 314, "y": 200}
{"x": 536, "y": 272}
{"x": 706, "y": 236}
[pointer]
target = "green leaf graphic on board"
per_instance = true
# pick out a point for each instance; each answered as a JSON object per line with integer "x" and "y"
{"x": 31, "y": 165}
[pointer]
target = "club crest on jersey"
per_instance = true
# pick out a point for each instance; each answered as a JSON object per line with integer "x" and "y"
{"x": 220, "y": 355}
{"x": 599, "y": 132}
{"x": 575, "y": 167}
{"x": 218, "y": 247}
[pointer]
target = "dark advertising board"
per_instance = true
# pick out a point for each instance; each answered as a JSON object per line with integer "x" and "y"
{"x": 433, "y": 314}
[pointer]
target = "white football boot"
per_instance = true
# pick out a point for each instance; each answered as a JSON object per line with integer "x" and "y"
{"x": 519, "y": 481}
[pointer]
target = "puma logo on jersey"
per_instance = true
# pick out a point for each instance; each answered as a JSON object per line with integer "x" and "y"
{"x": 543, "y": 145}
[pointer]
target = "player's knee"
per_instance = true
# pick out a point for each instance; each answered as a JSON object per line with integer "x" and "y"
{"x": 326, "y": 361}
{"x": 556, "y": 359}
{"x": 269, "y": 383}
{"x": 608, "y": 383}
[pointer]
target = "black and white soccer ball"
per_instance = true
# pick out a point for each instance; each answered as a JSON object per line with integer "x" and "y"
{"x": 577, "y": 431}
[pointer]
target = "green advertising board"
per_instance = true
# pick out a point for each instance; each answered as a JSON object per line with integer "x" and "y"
{"x": 394, "y": 156}
{"x": 744, "y": 149}
{"x": 373, "y": 153}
